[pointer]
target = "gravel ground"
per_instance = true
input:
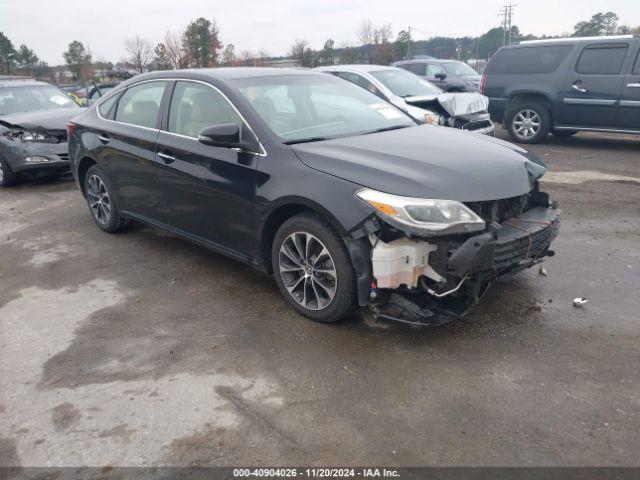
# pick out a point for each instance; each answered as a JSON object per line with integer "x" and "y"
{"x": 142, "y": 349}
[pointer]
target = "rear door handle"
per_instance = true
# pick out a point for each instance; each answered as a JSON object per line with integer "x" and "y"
{"x": 166, "y": 157}
{"x": 577, "y": 86}
{"x": 633, "y": 85}
{"x": 103, "y": 138}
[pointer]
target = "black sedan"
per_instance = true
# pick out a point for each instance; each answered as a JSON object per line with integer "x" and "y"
{"x": 340, "y": 195}
{"x": 33, "y": 137}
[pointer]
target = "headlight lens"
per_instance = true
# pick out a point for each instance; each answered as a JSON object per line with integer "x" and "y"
{"x": 27, "y": 136}
{"x": 429, "y": 216}
{"x": 433, "y": 119}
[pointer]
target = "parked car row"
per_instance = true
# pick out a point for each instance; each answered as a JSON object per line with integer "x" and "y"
{"x": 345, "y": 198}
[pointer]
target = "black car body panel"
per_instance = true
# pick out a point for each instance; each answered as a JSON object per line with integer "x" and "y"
{"x": 395, "y": 162}
{"x": 233, "y": 200}
{"x": 590, "y": 84}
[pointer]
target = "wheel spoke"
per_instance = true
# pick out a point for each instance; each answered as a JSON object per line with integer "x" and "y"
{"x": 290, "y": 254}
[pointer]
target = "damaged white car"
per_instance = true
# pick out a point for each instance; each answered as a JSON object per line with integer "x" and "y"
{"x": 420, "y": 99}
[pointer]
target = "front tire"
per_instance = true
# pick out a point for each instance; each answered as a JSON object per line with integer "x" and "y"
{"x": 529, "y": 122}
{"x": 7, "y": 177}
{"x": 313, "y": 269}
{"x": 102, "y": 204}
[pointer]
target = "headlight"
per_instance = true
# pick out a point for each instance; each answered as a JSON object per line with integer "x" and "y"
{"x": 433, "y": 119}
{"x": 429, "y": 216}
{"x": 27, "y": 136}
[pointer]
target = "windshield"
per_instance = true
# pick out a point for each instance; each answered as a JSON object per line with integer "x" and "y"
{"x": 405, "y": 84}
{"x": 459, "y": 69}
{"x": 306, "y": 108}
{"x": 31, "y": 98}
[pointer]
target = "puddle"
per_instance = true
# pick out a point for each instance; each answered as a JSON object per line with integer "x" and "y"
{"x": 578, "y": 177}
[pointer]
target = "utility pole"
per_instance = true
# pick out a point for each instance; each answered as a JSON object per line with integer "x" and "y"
{"x": 506, "y": 12}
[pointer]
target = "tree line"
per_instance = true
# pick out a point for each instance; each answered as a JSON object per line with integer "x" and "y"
{"x": 199, "y": 45}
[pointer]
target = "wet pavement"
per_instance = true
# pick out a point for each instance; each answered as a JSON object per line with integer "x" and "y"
{"x": 142, "y": 349}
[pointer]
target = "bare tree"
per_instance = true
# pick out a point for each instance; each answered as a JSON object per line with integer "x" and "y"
{"x": 365, "y": 32}
{"x": 140, "y": 52}
{"x": 176, "y": 55}
{"x": 246, "y": 57}
{"x": 383, "y": 49}
{"x": 301, "y": 52}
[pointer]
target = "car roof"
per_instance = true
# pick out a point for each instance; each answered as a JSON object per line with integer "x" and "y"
{"x": 9, "y": 81}
{"x": 547, "y": 41}
{"x": 355, "y": 68}
{"x": 426, "y": 60}
{"x": 226, "y": 73}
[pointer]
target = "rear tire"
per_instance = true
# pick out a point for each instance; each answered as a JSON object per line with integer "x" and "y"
{"x": 7, "y": 177}
{"x": 528, "y": 122}
{"x": 313, "y": 269}
{"x": 102, "y": 204}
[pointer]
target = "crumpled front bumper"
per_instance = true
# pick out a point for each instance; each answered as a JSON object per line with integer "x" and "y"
{"x": 505, "y": 249}
{"x": 16, "y": 152}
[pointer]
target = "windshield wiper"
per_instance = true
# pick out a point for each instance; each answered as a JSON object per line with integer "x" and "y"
{"x": 386, "y": 129}
{"x": 305, "y": 140}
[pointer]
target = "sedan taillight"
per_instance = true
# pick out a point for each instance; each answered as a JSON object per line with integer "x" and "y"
{"x": 483, "y": 83}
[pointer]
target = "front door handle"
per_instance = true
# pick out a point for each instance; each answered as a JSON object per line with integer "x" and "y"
{"x": 577, "y": 86}
{"x": 103, "y": 138}
{"x": 633, "y": 85}
{"x": 166, "y": 157}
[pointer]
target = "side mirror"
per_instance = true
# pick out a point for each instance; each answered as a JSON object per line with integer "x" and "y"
{"x": 441, "y": 76}
{"x": 226, "y": 135}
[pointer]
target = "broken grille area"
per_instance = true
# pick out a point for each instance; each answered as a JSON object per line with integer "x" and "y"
{"x": 499, "y": 210}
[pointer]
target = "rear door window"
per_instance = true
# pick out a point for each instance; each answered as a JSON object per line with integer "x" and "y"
{"x": 636, "y": 68}
{"x": 528, "y": 60}
{"x": 417, "y": 68}
{"x": 140, "y": 104}
{"x": 361, "y": 81}
{"x": 602, "y": 59}
{"x": 433, "y": 70}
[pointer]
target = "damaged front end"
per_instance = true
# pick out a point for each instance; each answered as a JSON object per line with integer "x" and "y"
{"x": 465, "y": 111}
{"x": 433, "y": 278}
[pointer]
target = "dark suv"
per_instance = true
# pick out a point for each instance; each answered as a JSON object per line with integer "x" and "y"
{"x": 564, "y": 86}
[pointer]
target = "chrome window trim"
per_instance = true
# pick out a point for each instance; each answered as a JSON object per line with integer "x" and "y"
{"x": 262, "y": 153}
{"x": 96, "y": 105}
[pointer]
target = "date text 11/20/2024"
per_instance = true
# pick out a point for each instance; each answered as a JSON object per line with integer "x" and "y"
{"x": 316, "y": 472}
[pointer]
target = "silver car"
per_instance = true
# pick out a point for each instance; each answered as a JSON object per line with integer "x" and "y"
{"x": 420, "y": 99}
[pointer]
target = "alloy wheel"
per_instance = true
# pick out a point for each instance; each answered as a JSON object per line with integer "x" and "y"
{"x": 308, "y": 271}
{"x": 98, "y": 199}
{"x": 1, "y": 174}
{"x": 526, "y": 124}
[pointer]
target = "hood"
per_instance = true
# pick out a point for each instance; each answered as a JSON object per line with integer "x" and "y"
{"x": 47, "y": 122}
{"x": 455, "y": 104}
{"x": 427, "y": 162}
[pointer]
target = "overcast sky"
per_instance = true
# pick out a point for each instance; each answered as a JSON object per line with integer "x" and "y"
{"x": 49, "y": 26}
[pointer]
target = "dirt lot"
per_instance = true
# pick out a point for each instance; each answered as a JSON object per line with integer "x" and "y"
{"x": 142, "y": 349}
